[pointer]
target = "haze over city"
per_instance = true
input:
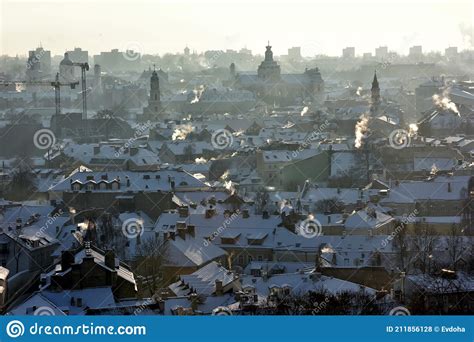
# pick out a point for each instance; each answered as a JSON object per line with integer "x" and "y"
{"x": 237, "y": 158}
{"x": 319, "y": 27}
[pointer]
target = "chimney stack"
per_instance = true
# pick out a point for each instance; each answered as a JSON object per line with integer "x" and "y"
{"x": 191, "y": 230}
{"x": 67, "y": 259}
{"x": 110, "y": 259}
{"x": 210, "y": 212}
{"x": 183, "y": 211}
{"x": 219, "y": 288}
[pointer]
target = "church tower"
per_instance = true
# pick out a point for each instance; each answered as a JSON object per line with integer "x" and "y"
{"x": 269, "y": 69}
{"x": 375, "y": 91}
{"x": 375, "y": 95}
{"x": 154, "y": 101}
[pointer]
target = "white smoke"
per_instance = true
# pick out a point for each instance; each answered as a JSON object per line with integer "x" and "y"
{"x": 304, "y": 111}
{"x": 361, "y": 130}
{"x": 197, "y": 94}
{"x": 181, "y": 132}
{"x": 444, "y": 102}
{"x": 413, "y": 129}
{"x": 200, "y": 160}
{"x": 467, "y": 33}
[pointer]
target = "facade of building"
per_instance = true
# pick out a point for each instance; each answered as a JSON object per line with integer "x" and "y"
{"x": 270, "y": 85}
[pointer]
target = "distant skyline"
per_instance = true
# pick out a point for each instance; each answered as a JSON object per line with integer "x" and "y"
{"x": 162, "y": 26}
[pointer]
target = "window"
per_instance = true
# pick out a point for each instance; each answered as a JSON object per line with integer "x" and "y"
{"x": 241, "y": 259}
{"x": 260, "y": 258}
{"x": 3, "y": 248}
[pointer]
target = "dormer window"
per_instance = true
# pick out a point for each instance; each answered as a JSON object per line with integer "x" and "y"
{"x": 115, "y": 185}
{"x": 76, "y": 186}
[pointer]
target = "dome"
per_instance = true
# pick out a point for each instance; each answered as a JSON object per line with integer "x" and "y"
{"x": 66, "y": 60}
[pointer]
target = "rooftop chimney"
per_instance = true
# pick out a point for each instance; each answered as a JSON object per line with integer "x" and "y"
{"x": 67, "y": 259}
{"x": 210, "y": 212}
{"x": 183, "y": 211}
{"x": 219, "y": 288}
{"x": 191, "y": 230}
{"x": 110, "y": 259}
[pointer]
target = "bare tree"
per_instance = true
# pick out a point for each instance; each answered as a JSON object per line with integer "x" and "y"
{"x": 149, "y": 258}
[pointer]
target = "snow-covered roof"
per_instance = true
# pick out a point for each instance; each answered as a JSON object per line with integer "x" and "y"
{"x": 302, "y": 283}
{"x": 139, "y": 180}
{"x": 203, "y": 280}
{"x": 368, "y": 218}
{"x": 438, "y": 188}
{"x": 191, "y": 252}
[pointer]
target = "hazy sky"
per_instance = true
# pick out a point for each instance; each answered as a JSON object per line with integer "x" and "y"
{"x": 159, "y": 26}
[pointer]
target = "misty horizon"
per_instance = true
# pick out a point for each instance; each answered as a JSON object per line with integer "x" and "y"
{"x": 163, "y": 27}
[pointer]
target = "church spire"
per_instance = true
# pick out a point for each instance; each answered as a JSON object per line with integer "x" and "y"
{"x": 375, "y": 90}
{"x": 269, "y": 53}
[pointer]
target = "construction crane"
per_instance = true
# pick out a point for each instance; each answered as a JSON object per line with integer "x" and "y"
{"x": 84, "y": 67}
{"x": 55, "y": 84}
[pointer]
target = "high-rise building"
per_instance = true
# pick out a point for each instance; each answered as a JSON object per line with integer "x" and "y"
{"x": 38, "y": 65}
{"x": 451, "y": 52}
{"x": 416, "y": 51}
{"x": 381, "y": 52}
{"x": 78, "y": 55}
{"x": 348, "y": 52}
{"x": 186, "y": 51}
{"x": 294, "y": 53}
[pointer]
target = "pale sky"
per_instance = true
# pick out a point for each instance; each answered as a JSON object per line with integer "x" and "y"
{"x": 160, "y": 26}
